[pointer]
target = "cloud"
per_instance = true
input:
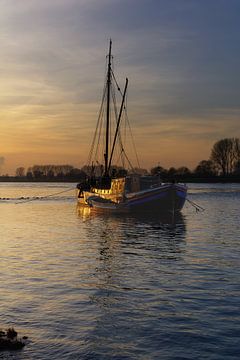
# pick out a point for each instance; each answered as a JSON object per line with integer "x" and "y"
{"x": 181, "y": 58}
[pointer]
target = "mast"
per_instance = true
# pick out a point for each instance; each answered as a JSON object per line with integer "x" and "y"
{"x": 118, "y": 123}
{"x": 108, "y": 110}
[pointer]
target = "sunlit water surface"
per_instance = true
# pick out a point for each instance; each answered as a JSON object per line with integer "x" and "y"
{"x": 87, "y": 286}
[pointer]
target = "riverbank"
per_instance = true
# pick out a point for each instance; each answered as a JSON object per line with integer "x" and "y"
{"x": 188, "y": 179}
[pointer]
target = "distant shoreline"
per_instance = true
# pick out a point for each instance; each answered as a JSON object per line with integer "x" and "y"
{"x": 14, "y": 179}
{"x": 219, "y": 179}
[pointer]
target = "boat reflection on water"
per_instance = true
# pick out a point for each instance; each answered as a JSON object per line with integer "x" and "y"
{"x": 158, "y": 232}
{"x": 130, "y": 277}
{"x": 171, "y": 219}
{"x": 162, "y": 235}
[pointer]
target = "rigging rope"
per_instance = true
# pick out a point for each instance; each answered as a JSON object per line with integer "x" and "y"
{"x": 129, "y": 162}
{"x": 95, "y": 145}
{"x": 118, "y": 87}
{"x": 131, "y": 134}
{"x": 195, "y": 205}
{"x": 119, "y": 132}
{"x": 99, "y": 121}
{"x": 130, "y": 130}
{"x": 46, "y": 196}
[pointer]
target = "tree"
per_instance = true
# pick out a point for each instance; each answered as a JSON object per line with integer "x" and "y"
{"x": 20, "y": 172}
{"x": 138, "y": 171}
{"x": 157, "y": 170}
{"x": 76, "y": 174}
{"x": 225, "y": 154}
{"x": 206, "y": 168}
{"x": 183, "y": 171}
{"x": 237, "y": 168}
{"x": 29, "y": 174}
{"x": 172, "y": 172}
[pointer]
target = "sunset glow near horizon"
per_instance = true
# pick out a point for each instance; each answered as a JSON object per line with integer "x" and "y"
{"x": 181, "y": 58}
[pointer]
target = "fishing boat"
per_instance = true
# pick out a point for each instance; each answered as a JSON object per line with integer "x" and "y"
{"x": 110, "y": 188}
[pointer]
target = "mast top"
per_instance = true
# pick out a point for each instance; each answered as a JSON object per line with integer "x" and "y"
{"x": 109, "y": 52}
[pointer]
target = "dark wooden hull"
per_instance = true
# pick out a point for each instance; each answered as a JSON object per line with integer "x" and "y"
{"x": 168, "y": 198}
{"x": 164, "y": 199}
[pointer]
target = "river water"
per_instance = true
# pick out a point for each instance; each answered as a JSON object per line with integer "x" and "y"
{"x": 88, "y": 286}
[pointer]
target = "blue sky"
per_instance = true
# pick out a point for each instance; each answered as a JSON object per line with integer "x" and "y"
{"x": 181, "y": 58}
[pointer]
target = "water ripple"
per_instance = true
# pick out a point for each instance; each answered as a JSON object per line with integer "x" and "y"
{"x": 88, "y": 286}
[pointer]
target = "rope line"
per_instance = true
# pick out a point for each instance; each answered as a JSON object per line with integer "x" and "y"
{"x": 195, "y": 205}
{"x": 44, "y": 197}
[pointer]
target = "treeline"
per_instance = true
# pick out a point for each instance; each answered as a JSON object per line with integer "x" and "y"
{"x": 222, "y": 165}
{"x": 50, "y": 173}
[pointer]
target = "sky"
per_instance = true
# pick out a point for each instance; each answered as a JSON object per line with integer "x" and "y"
{"x": 181, "y": 58}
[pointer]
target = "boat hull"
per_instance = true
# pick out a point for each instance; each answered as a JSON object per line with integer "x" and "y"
{"x": 167, "y": 198}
